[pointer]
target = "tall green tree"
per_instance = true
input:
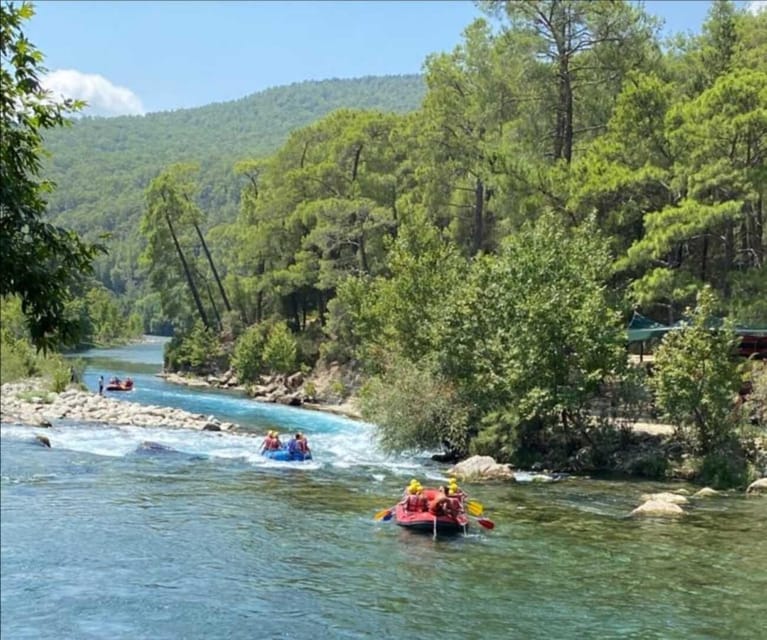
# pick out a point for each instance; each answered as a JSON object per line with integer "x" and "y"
{"x": 584, "y": 46}
{"x": 322, "y": 208}
{"x": 714, "y": 227}
{"x": 169, "y": 206}
{"x": 39, "y": 261}
{"x": 470, "y": 100}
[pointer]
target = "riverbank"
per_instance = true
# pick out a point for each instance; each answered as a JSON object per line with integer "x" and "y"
{"x": 314, "y": 393}
{"x": 29, "y": 402}
{"x": 646, "y": 451}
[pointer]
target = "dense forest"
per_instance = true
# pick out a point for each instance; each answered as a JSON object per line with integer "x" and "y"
{"x": 102, "y": 166}
{"x": 476, "y": 256}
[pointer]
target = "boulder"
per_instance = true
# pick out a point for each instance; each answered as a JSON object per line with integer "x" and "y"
{"x": 706, "y": 492}
{"x": 481, "y": 467}
{"x": 290, "y": 399}
{"x": 148, "y": 446}
{"x": 758, "y": 486}
{"x": 44, "y": 440}
{"x": 658, "y": 508}
{"x": 295, "y": 381}
{"x": 671, "y": 498}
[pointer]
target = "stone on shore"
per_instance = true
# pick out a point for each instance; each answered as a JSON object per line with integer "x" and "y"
{"x": 481, "y": 468}
{"x": 17, "y": 404}
{"x": 758, "y": 486}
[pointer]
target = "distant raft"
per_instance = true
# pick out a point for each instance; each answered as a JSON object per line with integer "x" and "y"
{"x": 120, "y": 385}
{"x": 284, "y": 455}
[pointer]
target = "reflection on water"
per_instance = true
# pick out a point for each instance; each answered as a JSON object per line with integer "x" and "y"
{"x": 199, "y": 538}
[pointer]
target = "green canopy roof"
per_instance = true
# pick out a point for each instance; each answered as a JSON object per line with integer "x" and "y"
{"x": 642, "y": 328}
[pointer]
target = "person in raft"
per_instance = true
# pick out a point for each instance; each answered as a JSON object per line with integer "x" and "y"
{"x": 444, "y": 505}
{"x": 271, "y": 442}
{"x": 299, "y": 444}
{"x": 414, "y": 500}
{"x": 456, "y": 496}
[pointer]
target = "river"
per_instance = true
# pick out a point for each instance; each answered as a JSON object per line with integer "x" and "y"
{"x": 207, "y": 539}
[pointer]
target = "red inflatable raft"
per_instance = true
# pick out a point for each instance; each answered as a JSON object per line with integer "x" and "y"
{"x": 120, "y": 385}
{"x": 425, "y": 520}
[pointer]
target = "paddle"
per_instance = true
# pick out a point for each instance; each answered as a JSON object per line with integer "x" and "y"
{"x": 384, "y": 514}
{"x": 475, "y": 508}
{"x": 486, "y": 523}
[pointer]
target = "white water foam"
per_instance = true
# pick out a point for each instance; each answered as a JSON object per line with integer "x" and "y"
{"x": 346, "y": 445}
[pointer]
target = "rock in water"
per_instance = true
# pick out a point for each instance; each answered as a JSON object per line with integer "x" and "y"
{"x": 44, "y": 440}
{"x": 758, "y": 486}
{"x": 153, "y": 447}
{"x": 658, "y": 508}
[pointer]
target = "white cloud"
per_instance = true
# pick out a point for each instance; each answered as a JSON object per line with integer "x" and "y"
{"x": 755, "y": 6}
{"x": 103, "y": 98}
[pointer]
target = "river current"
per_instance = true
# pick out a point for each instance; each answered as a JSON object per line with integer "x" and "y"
{"x": 204, "y": 538}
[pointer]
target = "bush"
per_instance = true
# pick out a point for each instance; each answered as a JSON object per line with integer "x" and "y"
{"x": 414, "y": 409}
{"x": 696, "y": 379}
{"x": 651, "y": 464}
{"x": 196, "y": 351}
{"x": 310, "y": 390}
{"x": 755, "y": 405}
{"x": 247, "y": 360}
{"x": 60, "y": 375}
{"x": 279, "y": 354}
{"x": 726, "y": 469}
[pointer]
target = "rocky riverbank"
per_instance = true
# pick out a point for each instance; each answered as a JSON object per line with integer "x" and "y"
{"x": 325, "y": 389}
{"x": 28, "y": 402}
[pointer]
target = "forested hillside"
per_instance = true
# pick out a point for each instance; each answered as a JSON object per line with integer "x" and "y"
{"x": 475, "y": 259}
{"x": 103, "y": 165}
{"x": 478, "y": 258}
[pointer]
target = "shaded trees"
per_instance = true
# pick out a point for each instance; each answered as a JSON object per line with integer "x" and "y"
{"x": 171, "y": 210}
{"x": 39, "y": 261}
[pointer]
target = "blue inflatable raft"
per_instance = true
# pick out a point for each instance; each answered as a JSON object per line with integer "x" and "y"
{"x": 286, "y": 456}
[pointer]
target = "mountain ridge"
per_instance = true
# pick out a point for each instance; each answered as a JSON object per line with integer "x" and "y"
{"x": 101, "y": 165}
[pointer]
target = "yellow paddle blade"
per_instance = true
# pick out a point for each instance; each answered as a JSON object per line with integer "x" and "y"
{"x": 382, "y": 513}
{"x": 475, "y": 508}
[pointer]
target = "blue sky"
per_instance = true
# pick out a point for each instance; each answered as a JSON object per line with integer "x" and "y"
{"x": 144, "y": 56}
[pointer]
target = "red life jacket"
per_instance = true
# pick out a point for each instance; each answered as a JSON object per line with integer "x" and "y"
{"x": 302, "y": 445}
{"x": 414, "y": 502}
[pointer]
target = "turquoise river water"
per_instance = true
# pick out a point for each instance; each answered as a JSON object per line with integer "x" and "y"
{"x": 207, "y": 539}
